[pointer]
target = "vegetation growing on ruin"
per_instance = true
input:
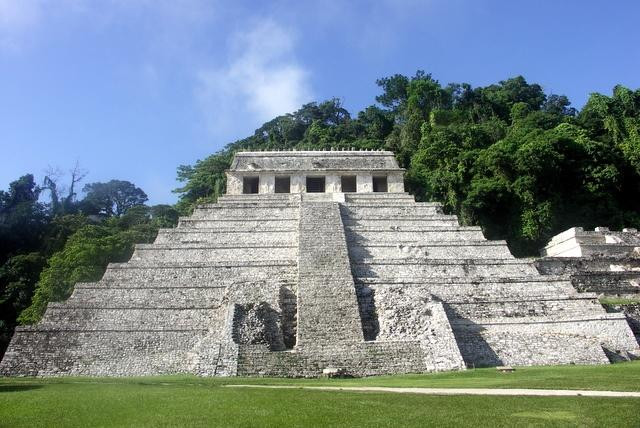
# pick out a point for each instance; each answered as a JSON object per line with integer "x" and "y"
{"x": 192, "y": 401}
{"x": 47, "y": 247}
{"x": 614, "y": 301}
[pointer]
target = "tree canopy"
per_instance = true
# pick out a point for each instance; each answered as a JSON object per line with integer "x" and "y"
{"x": 114, "y": 197}
{"x": 46, "y": 247}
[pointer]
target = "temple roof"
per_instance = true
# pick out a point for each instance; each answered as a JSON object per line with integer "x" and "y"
{"x": 288, "y": 161}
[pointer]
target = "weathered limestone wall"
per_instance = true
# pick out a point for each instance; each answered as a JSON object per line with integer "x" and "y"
{"x": 292, "y": 284}
{"x": 501, "y": 309}
{"x": 603, "y": 262}
{"x": 182, "y": 305}
{"x": 576, "y": 242}
{"x": 358, "y": 358}
{"x": 299, "y": 164}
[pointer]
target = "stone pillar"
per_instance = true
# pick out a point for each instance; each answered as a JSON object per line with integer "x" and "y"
{"x": 364, "y": 183}
{"x": 234, "y": 184}
{"x": 267, "y": 183}
{"x": 298, "y": 183}
{"x": 395, "y": 183}
{"x": 333, "y": 184}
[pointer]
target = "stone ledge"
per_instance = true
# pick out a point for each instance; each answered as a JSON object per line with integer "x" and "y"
{"x": 465, "y": 280}
{"x": 446, "y": 262}
{"x": 479, "y": 323}
{"x": 434, "y": 228}
{"x": 427, "y": 244}
{"x": 143, "y": 264}
{"x": 208, "y": 246}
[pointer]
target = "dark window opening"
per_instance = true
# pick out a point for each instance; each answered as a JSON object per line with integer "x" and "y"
{"x": 250, "y": 184}
{"x": 380, "y": 184}
{"x": 315, "y": 184}
{"x": 283, "y": 185}
{"x": 348, "y": 183}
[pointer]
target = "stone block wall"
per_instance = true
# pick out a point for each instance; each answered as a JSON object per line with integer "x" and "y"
{"x": 288, "y": 285}
{"x": 501, "y": 310}
{"x": 180, "y": 305}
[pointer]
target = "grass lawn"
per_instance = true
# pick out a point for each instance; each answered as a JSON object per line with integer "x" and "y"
{"x": 192, "y": 401}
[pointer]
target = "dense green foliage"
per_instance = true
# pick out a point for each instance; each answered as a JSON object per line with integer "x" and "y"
{"x": 85, "y": 257}
{"x": 522, "y": 164}
{"x": 192, "y": 401}
{"x": 48, "y": 247}
{"x": 112, "y": 198}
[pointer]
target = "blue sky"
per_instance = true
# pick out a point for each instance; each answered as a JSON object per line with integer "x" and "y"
{"x": 133, "y": 88}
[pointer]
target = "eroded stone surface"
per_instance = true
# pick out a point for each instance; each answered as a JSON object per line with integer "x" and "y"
{"x": 295, "y": 284}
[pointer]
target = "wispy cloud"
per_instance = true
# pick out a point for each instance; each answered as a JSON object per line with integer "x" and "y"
{"x": 262, "y": 79}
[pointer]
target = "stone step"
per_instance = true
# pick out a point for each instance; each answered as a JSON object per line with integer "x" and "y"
{"x": 372, "y": 210}
{"x": 239, "y": 224}
{"x": 213, "y": 252}
{"x": 510, "y": 322}
{"x": 473, "y": 289}
{"x": 244, "y": 212}
{"x": 156, "y": 297}
{"x": 380, "y": 196}
{"x": 393, "y": 229}
{"x": 402, "y": 223}
{"x": 130, "y": 318}
{"x": 436, "y": 268}
{"x": 285, "y": 279}
{"x": 431, "y": 250}
{"x": 570, "y": 265}
{"x": 269, "y": 198}
{"x": 567, "y": 307}
{"x": 242, "y": 271}
{"x": 201, "y": 236}
{"x": 244, "y": 204}
{"x": 362, "y": 236}
{"x": 610, "y": 283}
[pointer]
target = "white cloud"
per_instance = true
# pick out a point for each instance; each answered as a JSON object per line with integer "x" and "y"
{"x": 263, "y": 79}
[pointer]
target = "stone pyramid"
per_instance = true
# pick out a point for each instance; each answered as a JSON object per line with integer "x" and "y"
{"x": 314, "y": 261}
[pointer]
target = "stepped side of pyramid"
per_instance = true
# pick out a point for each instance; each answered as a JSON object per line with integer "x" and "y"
{"x": 172, "y": 307}
{"x": 502, "y": 311}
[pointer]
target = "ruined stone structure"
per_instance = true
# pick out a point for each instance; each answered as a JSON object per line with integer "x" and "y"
{"x": 601, "y": 261}
{"x": 317, "y": 260}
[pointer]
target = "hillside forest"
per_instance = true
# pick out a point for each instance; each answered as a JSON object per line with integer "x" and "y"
{"x": 522, "y": 164}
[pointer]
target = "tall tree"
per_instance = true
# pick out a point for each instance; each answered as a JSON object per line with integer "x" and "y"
{"x": 114, "y": 197}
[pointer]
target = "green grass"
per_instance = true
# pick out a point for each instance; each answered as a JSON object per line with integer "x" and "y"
{"x": 618, "y": 301}
{"x": 192, "y": 401}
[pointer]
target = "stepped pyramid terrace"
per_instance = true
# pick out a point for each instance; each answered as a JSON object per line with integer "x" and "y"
{"x": 317, "y": 261}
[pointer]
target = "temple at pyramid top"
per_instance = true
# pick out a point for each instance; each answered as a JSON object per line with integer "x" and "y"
{"x": 314, "y": 172}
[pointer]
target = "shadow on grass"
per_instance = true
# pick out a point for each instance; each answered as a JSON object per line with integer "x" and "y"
{"x": 18, "y": 388}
